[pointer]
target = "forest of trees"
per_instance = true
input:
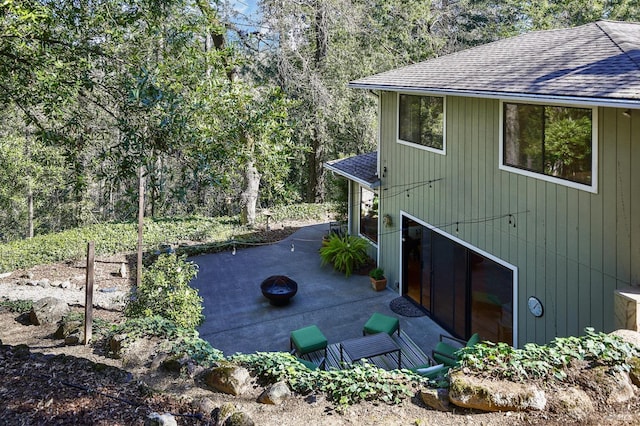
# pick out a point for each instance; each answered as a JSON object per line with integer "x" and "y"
{"x": 216, "y": 113}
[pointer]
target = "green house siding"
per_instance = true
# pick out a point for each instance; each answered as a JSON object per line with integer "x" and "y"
{"x": 572, "y": 248}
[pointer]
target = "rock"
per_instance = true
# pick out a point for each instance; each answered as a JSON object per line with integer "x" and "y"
{"x": 612, "y": 388}
{"x": 5, "y": 275}
{"x": 469, "y": 391}
{"x": 156, "y": 419}
{"x": 634, "y": 374}
{"x": 67, "y": 328}
{"x": 174, "y": 363}
{"x": 438, "y": 399}
{"x": 123, "y": 270}
{"x": 44, "y": 283}
{"x": 205, "y": 406}
{"x": 228, "y": 379}
{"x": 629, "y": 336}
{"x": 219, "y": 415}
{"x": 275, "y": 394}
{"x": 137, "y": 352}
{"x": 116, "y": 343}
{"x": 72, "y": 340}
{"x": 239, "y": 419}
{"x": 572, "y": 401}
{"x": 65, "y": 284}
{"x": 158, "y": 360}
{"x": 48, "y": 310}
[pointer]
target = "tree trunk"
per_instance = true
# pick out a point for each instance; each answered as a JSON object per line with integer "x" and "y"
{"x": 315, "y": 186}
{"x": 249, "y": 197}
{"x": 30, "y": 208}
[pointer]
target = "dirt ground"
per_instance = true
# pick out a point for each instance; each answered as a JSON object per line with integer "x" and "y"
{"x": 46, "y": 382}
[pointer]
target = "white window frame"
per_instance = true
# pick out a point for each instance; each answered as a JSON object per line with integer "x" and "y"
{"x": 593, "y": 188}
{"x": 442, "y": 151}
{"x": 366, "y": 237}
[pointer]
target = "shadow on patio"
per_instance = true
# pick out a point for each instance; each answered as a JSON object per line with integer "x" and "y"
{"x": 238, "y": 318}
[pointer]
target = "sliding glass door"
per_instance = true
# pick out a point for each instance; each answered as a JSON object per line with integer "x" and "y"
{"x": 461, "y": 289}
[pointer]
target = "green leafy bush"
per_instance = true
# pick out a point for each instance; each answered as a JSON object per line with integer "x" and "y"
{"x": 17, "y": 306}
{"x": 183, "y": 341}
{"x": 345, "y": 253}
{"x": 164, "y": 290}
{"x": 111, "y": 238}
{"x": 360, "y": 382}
{"x": 549, "y": 361}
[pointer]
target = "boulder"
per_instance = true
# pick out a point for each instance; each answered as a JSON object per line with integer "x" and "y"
{"x": 571, "y": 401}
{"x": 632, "y": 337}
{"x": 479, "y": 393}
{"x": 275, "y": 394}
{"x": 239, "y": 418}
{"x": 117, "y": 343}
{"x": 157, "y": 419}
{"x": 205, "y": 406}
{"x": 72, "y": 340}
{"x": 634, "y": 374}
{"x": 438, "y": 399}
{"x": 629, "y": 336}
{"x": 67, "y": 328}
{"x": 611, "y": 387}
{"x": 48, "y": 310}
{"x": 230, "y": 379}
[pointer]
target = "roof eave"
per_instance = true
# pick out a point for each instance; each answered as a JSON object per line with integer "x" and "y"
{"x": 577, "y": 100}
{"x": 370, "y": 185}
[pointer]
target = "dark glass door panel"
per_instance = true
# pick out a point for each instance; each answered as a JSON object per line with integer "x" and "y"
{"x": 448, "y": 261}
{"x": 411, "y": 237}
{"x": 491, "y": 299}
{"x": 462, "y": 290}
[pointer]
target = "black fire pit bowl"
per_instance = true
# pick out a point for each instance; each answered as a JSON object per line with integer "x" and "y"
{"x": 279, "y": 289}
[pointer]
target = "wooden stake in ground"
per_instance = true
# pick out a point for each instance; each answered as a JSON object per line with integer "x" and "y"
{"x": 88, "y": 293}
{"x": 140, "y": 225}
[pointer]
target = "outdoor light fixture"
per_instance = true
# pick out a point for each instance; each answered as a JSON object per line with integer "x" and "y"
{"x": 627, "y": 113}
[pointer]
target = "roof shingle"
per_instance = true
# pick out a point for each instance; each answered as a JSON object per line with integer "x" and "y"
{"x": 600, "y": 60}
{"x": 361, "y": 168}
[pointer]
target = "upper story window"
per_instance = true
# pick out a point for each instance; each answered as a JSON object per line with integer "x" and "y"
{"x": 421, "y": 121}
{"x": 555, "y": 143}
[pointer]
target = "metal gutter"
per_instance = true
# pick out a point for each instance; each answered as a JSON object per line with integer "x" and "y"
{"x": 573, "y": 100}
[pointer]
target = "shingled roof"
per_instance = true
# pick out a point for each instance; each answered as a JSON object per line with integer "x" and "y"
{"x": 597, "y": 63}
{"x": 360, "y": 168}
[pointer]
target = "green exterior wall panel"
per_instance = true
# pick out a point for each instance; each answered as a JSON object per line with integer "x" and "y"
{"x": 571, "y": 248}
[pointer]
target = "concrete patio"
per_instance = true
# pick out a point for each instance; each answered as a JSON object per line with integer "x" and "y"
{"x": 240, "y": 319}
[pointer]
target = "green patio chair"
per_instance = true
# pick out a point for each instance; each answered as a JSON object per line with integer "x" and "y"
{"x": 431, "y": 371}
{"x": 445, "y": 353}
{"x": 307, "y": 340}
{"x": 312, "y": 365}
{"x": 379, "y": 323}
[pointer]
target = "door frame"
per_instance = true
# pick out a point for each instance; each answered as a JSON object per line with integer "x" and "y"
{"x": 488, "y": 255}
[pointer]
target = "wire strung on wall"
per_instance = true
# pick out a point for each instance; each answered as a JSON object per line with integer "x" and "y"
{"x": 409, "y": 187}
{"x": 511, "y": 218}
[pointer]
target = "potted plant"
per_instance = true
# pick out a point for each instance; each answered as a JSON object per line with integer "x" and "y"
{"x": 378, "y": 280}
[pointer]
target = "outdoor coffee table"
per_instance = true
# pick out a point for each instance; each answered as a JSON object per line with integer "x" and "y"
{"x": 370, "y": 346}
